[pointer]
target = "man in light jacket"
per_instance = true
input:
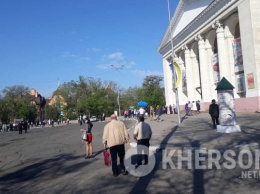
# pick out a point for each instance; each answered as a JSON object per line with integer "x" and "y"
{"x": 115, "y": 136}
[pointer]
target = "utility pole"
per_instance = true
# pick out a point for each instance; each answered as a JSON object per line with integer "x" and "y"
{"x": 118, "y": 100}
{"x": 175, "y": 90}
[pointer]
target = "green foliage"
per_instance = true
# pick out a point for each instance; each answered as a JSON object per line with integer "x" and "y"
{"x": 52, "y": 112}
{"x": 151, "y": 92}
{"x": 16, "y": 103}
{"x": 72, "y": 116}
{"x": 87, "y": 96}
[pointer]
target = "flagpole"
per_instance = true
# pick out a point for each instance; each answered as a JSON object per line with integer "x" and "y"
{"x": 118, "y": 100}
{"x": 174, "y": 74}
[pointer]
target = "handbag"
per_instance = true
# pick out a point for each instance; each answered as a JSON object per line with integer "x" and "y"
{"x": 107, "y": 159}
{"x": 84, "y": 136}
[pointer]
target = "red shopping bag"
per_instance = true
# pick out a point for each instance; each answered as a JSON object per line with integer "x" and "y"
{"x": 107, "y": 158}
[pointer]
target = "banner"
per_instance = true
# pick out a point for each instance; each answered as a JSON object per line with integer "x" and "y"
{"x": 238, "y": 57}
{"x": 215, "y": 66}
{"x": 240, "y": 83}
{"x": 184, "y": 82}
{"x": 250, "y": 81}
{"x": 175, "y": 68}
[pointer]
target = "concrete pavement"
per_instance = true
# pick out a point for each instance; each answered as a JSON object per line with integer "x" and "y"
{"x": 196, "y": 133}
{"x": 55, "y": 164}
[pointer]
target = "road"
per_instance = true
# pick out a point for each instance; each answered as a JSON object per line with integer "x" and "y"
{"x": 51, "y": 160}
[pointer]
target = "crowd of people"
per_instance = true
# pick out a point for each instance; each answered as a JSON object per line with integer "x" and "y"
{"x": 192, "y": 108}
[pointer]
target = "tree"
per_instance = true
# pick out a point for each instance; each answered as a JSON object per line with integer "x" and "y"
{"x": 151, "y": 92}
{"x": 88, "y": 96}
{"x": 52, "y": 112}
{"x": 17, "y": 103}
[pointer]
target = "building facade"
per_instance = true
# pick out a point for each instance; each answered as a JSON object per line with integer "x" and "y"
{"x": 213, "y": 39}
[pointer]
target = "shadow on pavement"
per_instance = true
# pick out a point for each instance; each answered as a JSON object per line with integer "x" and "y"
{"x": 41, "y": 171}
{"x": 142, "y": 184}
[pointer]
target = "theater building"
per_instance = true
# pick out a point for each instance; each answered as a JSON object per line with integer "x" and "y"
{"x": 213, "y": 39}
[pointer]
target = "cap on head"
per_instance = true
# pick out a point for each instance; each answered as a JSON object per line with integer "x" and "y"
{"x": 213, "y": 101}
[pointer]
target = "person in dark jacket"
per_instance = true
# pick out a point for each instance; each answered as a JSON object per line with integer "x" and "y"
{"x": 214, "y": 113}
{"x": 25, "y": 126}
{"x": 20, "y": 127}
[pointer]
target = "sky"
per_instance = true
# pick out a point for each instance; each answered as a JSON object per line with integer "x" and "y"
{"x": 47, "y": 42}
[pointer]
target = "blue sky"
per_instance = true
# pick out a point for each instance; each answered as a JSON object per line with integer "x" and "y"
{"x": 46, "y": 41}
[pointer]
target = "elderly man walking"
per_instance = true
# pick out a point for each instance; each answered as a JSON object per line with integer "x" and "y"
{"x": 115, "y": 136}
{"x": 142, "y": 134}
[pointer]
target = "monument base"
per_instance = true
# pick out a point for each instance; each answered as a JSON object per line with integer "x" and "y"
{"x": 228, "y": 128}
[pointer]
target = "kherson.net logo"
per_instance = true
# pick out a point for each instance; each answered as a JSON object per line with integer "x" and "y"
{"x": 140, "y": 161}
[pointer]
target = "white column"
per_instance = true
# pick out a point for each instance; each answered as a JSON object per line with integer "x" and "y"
{"x": 204, "y": 70}
{"x": 196, "y": 77}
{"x": 224, "y": 68}
{"x": 231, "y": 63}
{"x": 189, "y": 74}
{"x": 212, "y": 85}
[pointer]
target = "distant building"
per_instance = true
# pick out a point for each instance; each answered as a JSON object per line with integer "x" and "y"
{"x": 214, "y": 39}
{"x": 57, "y": 99}
{"x": 39, "y": 102}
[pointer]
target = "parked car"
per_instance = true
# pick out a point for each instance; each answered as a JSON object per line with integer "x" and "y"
{"x": 93, "y": 119}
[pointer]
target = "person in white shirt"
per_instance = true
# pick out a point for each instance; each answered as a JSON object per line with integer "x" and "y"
{"x": 142, "y": 134}
{"x": 141, "y": 111}
{"x": 194, "y": 108}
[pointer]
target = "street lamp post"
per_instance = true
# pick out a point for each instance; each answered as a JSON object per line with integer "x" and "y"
{"x": 174, "y": 74}
{"x": 118, "y": 100}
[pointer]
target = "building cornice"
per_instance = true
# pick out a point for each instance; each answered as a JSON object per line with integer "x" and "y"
{"x": 206, "y": 17}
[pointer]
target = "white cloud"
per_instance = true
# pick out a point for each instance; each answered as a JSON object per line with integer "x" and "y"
{"x": 84, "y": 58}
{"x": 103, "y": 66}
{"x": 94, "y": 49}
{"x": 68, "y": 54}
{"x": 130, "y": 64}
{"x": 143, "y": 73}
{"x": 116, "y": 56}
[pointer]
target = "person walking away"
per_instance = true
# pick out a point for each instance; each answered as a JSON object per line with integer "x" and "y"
{"x": 214, "y": 113}
{"x": 141, "y": 111}
{"x": 198, "y": 106}
{"x": 20, "y": 127}
{"x": 189, "y": 108}
{"x": 186, "y": 109}
{"x": 194, "y": 108}
{"x": 115, "y": 136}
{"x": 25, "y": 126}
{"x": 158, "y": 113}
{"x": 142, "y": 134}
{"x": 88, "y": 140}
{"x": 174, "y": 108}
{"x": 151, "y": 113}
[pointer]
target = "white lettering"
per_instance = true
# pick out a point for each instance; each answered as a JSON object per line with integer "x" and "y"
{"x": 182, "y": 158}
{"x": 167, "y": 159}
{"x": 199, "y": 159}
{"x": 249, "y": 159}
{"x": 257, "y": 158}
{"x": 231, "y": 160}
{"x": 214, "y": 160}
